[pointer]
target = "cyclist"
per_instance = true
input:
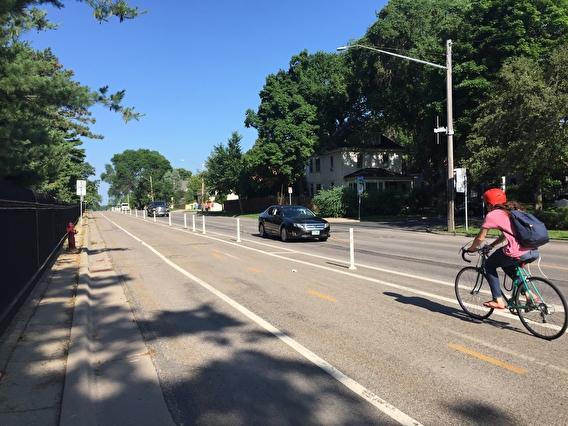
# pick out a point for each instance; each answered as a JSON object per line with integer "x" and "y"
{"x": 506, "y": 257}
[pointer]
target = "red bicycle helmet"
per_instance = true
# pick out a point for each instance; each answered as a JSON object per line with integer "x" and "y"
{"x": 494, "y": 196}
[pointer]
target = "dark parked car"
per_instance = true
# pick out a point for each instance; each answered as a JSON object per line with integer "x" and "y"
{"x": 475, "y": 208}
{"x": 292, "y": 222}
{"x": 159, "y": 207}
{"x": 561, "y": 201}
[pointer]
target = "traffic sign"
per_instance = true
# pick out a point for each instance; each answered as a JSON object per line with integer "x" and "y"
{"x": 81, "y": 187}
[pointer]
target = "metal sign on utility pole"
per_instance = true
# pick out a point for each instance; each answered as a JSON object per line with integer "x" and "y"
{"x": 81, "y": 191}
{"x": 360, "y": 190}
{"x": 461, "y": 180}
{"x": 461, "y": 187}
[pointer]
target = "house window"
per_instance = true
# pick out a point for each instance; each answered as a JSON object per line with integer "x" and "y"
{"x": 359, "y": 161}
{"x": 331, "y": 184}
{"x": 318, "y": 165}
{"x": 311, "y": 165}
{"x": 386, "y": 159}
{"x": 312, "y": 189}
{"x": 331, "y": 163}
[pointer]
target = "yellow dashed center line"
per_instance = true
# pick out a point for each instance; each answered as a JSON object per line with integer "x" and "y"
{"x": 254, "y": 270}
{"x": 323, "y": 296}
{"x": 488, "y": 359}
{"x": 218, "y": 256}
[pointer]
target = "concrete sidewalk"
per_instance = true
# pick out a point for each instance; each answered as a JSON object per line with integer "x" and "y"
{"x": 78, "y": 360}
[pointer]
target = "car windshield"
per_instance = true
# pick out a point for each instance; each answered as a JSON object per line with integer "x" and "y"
{"x": 297, "y": 212}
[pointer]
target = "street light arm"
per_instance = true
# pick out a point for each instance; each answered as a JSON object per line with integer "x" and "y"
{"x": 341, "y": 48}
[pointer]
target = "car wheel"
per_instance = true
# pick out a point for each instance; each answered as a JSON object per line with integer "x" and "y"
{"x": 262, "y": 231}
{"x": 283, "y": 234}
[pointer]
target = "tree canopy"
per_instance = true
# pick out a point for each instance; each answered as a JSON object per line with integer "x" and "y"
{"x": 330, "y": 100}
{"x": 523, "y": 124}
{"x": 225, "y": 167}
{"x": 44, "y": 113}
{"x": 138, "y": 173}
{"x": 508, "y": 90}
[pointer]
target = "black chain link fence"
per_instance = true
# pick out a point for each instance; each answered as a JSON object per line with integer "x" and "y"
{"x": 32, "y": 228}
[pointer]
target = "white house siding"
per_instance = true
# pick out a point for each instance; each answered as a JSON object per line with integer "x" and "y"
{"x": 345, "y": 163}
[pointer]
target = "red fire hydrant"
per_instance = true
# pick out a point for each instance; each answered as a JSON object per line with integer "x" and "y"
{"x": 71, "y": 236}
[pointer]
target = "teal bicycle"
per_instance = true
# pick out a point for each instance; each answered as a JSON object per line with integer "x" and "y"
{"x": 541, "y": 307}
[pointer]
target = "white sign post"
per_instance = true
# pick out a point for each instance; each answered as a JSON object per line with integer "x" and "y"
{"x": 81, "y": 191}
{"x": 290, "y": 194}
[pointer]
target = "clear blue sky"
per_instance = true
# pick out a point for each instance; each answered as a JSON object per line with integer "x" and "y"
{"x": 193, "y": 67}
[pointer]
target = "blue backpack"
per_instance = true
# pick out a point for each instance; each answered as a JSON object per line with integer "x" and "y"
{"x": 528, "y": 230}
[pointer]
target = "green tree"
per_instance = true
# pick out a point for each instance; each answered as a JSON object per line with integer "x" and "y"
{"x": 523, "y": 124}
{"x": 225, "y": 167}
{"x": 177, "y": 178}
{"x": 287, "y": 133}
{"x": 402, "y": 99}
{"x": 138, "y": 173}
{"x": 494, "y": 32}
{"x": 102, "y": 9}
{"x": 194, "y": 188}
{"x": 43, "y": 112}
{"x": 399, "y": 98}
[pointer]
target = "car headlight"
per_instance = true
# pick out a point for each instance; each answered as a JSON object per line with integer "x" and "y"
{"x": 298, "y": 225}
{"x": 326, "y": 225}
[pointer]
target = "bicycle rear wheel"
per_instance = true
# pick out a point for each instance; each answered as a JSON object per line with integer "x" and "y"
{"x": 545, "y": 314}
{"x": 472, "y": 290}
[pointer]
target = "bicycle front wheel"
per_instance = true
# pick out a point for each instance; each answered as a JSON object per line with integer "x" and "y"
{"x": 544, "y": 312}
{"x": 472, "y": 290}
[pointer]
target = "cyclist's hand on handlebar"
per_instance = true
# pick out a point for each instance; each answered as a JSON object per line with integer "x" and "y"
{"x": 485, "y": 249}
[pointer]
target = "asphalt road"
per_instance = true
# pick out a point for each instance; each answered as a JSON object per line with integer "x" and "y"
{"x": 249, "y": 331}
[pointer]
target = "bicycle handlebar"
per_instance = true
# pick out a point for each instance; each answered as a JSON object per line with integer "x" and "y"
{"x": 464, "y": 251}
{"x": 483, "y": 251}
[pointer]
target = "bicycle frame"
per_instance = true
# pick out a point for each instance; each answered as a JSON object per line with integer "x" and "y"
{"x": 520, "y": 282}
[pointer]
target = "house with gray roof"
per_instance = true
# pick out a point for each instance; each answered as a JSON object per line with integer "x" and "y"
{"x": 380, "y": 166}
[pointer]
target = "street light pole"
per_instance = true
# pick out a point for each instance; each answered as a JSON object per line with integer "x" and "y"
{"x": 151, "y": 187}
{"x": 450, "y": 126}
{"x": 450, "y": 136}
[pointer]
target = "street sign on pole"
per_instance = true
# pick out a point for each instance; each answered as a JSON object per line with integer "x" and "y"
{"x": 461, "y": 180}
{"x": 81, "y": 187}
{"x": 461, "y": 187}
{"x": 360, "y": 190}
{"x": 81, "y": 191}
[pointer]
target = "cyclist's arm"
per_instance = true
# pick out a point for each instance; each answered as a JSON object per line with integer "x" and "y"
{"x": 478, "y": 240}
{"x": 499, "y": 240}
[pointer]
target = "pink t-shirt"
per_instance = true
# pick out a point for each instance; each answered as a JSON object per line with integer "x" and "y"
{"x": 499, "y": 219}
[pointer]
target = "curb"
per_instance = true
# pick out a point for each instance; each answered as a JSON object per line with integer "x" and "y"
{"x": 110, "y": 378}
{"x": 75, "y": 407}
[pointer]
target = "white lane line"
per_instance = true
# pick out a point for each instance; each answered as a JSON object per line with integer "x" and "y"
{"x": 289, "y": 251}
{"x": 450, "y": 300}
{"x": 351, "y": 384}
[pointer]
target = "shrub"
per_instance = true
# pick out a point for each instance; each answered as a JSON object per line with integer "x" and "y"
{"x": 554, "y": 218}
{"x": 344, "y": 201}
{"x": 330, "y": 203}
